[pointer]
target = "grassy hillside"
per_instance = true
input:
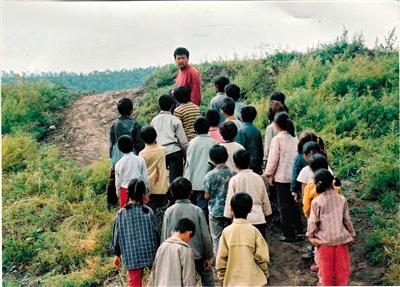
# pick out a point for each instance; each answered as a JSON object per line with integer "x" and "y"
{"x": 56, "y": 227}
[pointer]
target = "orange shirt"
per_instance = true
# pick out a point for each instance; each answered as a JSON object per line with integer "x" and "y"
{"x": 310, "y": 192}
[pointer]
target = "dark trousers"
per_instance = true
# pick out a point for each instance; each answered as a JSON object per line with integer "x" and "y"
{"x": 157, "y": 200}
{"x": 262, "y": 228}
{"x": 174, "y": 165}
{"x": 112, "y": 198}
{"x": 289, "y": 211}
{"x": 197, "y": 198}
{"x": 207, "y": 276}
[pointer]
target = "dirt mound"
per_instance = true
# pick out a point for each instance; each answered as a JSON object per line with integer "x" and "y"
{"x": 84, "y": 132}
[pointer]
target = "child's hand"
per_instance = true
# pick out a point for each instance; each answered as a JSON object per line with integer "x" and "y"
{"x": 295, "y": 197}
{"x": 314, "y": 242}
{"x": 207, "y": 264}
{"x": 117, "y": 261}
{"x": 270, "y": 180}
{"x": 146, "y": 199}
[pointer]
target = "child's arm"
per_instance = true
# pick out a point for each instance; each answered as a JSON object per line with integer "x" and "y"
{"x": 164, "y": 229}
{"x": 273, "y": 158}
{"x": 137, "y": 139}
{"x": 181, "y": 136}
{"x": 261, "y": 255}
{"x": 266, "y": 205}
{"x": 117, "y": 182}
{"x": 188, "y": 268}
{"x": 307, "y": 201}
{"x": 229, "y": 195}
{"x": 347, "y": 220}
{"x": 145, "y": 177}
{"x": 115, "y": 248}
{"x": 222, "y": 257}
{"x": 112, "y": 139}
{"x": 313, "y": 222}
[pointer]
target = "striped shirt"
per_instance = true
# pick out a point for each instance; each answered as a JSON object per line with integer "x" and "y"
{"x": 188, "y": 113}
{"x": 329, "y": 220}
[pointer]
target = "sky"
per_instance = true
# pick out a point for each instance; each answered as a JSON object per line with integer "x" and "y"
{"x": 76, "y": 36}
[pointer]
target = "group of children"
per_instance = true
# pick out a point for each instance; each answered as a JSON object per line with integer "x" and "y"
{"x": 214, "y": 185}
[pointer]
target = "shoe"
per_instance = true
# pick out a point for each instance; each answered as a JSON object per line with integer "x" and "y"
{"x": 300, "y": 237}
{"x": 308, "y": 255}
{"x": 285, "y": 239}
{"x": 314, "y": 268}
{"x": 310, "y": 248}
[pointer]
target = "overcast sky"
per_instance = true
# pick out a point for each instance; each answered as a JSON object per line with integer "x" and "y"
{"x": 86, "y": 36}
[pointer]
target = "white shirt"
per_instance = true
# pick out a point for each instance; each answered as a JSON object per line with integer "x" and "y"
{"x": 306, "y": 174}
{"x": 231, "y": 148}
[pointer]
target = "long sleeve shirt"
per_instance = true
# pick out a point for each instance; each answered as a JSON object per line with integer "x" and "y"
{"x": 310, "y": 193}
{"x": 329, "y": 221}
{"x": 243, "y": 255}
{"x": 250, "y": 138}
{"x": 281, "y": 156}
{"x": 270, "y": 132}
{"x": 188, "y": 113}
{"x": 201, "y": 242}
{"x": 216, "y": 104}
{"x": 190, "y": 77}
{"x": 231, "y": 148}
{"x": 248, "y": 181}
{"x": 170, "y": 132}
{"x": 299, "y": 163}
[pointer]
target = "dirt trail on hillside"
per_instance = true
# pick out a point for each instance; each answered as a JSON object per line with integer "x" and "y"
{"x": 84, "y": 131}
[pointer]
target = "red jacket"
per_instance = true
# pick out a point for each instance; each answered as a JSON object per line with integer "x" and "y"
{"x": 190, "y": 78}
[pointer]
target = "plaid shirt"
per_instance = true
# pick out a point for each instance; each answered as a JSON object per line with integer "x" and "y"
{"x": 135, "y": 236}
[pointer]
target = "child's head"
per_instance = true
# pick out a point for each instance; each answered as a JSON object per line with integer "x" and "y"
{"x": 304, "y": 138}
{"x": 228, "y": 107}
{"x": 148, "y": 134}
{"x": 242, "y": 159}
{"x": 323, "y": 180}
{"x": 283, "y": 122}
{"x": 274, "y": 108}
{"x": 232, "y": 91}
{"x": 125, "y": 144}
{"x": 125, "y": 107}
{"x": 213, "y": 117}
{"x": 228, "y": 131}
{"x": 182, "y": 94}
{"x": 249, "y": 114}
{"x": 166, "y": 102}
{"x": 185, "y": 228}
{"x": 220, "y": 84}
{"x": 218, "y": 154}
{"x": 137, "y": 191}
{"x": 201, "y": 125}
{"x": 181, "y": 188}
{"x": 318, "y": 161}
{"x": 310, "y": 148}
{"x": 241, "y": 204}
{"x": 278, "y": 96}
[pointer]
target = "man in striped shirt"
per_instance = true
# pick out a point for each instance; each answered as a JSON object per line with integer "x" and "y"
{"x": 187, "y": 112}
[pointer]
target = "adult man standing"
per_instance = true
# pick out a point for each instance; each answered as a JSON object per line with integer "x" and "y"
{"x": 187, "y": 76}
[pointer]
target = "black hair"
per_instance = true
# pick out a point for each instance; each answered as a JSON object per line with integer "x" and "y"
{"x": 311, "y": 146}
{"x": 181, "y": 51}
{"x": 181, "y": 188}
{"x": 125, "y": 107}
{"x": 213, "y": 117}
{"x": 201, "y": 125}
{"x": 218, "y": 154}
{"x": 242, "y": 159}
{"x": 283, "y": 120}
{"x": 278, "y": 96}
{"x": 221, "y": 82}
{"x": 125, "y": 144}
{"x": 228, "y": 131}
{"x": 241, "y": 204}
{"x": 274, "y": 108}
{"x": 136, "y": 191}
{"x": 318, "y": 161}
{"x": 232, "y": 91}
{"x": 308, "y": 137}
{"x": 148, "y": 134}
{"x": 182, "y": 94}
{"x": 249, "y": 114}
{"x": 185, "y": 224}
{"x": 166, "y": 102}
{"x": 228, "y": 106}
{"x": 323, "y": 180}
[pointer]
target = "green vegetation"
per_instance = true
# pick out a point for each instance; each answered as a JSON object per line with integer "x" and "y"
{"x": 56, "y": 227}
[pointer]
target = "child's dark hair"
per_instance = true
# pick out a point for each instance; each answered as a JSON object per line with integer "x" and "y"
{"x": 220, "y": 83}
{"x": 185, "y": 224}
{"x": 148, "y": 134}
{"x": 125, "y": 107}
{"x": 318, "y": 161}
{"x": 136, "y": 191}
{"x": 249, "y": 114}
{"x": 275, "y": 108}
{"x": 201, "y": 125}
{"x": 180, "y": 51}
{"x": 166, "y": 102}
{"x": 228, "y": 131}
{"x": 308, "y": 137}
{"x": 283, "y": 120}
{"x": 213, "y": 117}
{"x": 228, "y": 106}
{"x": 241, "y": 204}
{"x": 218, "y": 154}
{"x": 323, "y": 180}
{"x": 182, "y": 94}
{"x": 125, "y": 144}
{"x": 181, "y": 188}
{"x": 280, "y": 97}
{"x": 311, "y": 147}
{"x": 232, "y": 91}
{"x": 242, "y": 159}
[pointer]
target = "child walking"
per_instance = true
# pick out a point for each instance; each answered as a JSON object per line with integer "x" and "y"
{"x": 233, "y": 92}
{"x": 330, "y": 229}
{"x": 228, "y": 110}
{"x": 213, "y": 118}
{"x": 228, "y": 132}
{"x": 243, "y": 254}
{"x": 137, "y": 249}
{"x": 174, "y": 263}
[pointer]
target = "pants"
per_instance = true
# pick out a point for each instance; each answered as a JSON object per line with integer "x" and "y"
{"x": 135, "y": 277}
{"x": 290, "y": 216}
{"x": 174, "y": 163}
{"x": 217, "y": 224}
{"x": 207, "y": 276}
{"x": 123, "y": 197}
{"x": 112, "y": 198}
{"x": 334, "y": 265}
{"x": 197, "y": 198}
{"x": 157, "y": 201}
{"x": 262, "y": 228}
